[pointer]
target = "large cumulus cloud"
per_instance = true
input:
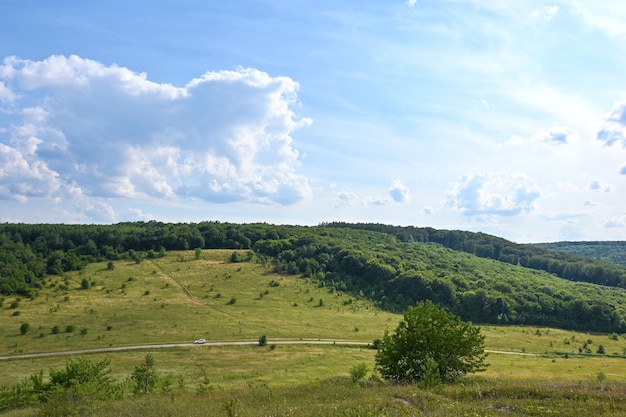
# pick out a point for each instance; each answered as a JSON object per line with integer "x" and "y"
{"x": 76, "y": 127}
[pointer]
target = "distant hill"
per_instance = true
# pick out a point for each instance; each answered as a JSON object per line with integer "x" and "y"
{"x": 480, "y": 277}
{"x": 609, "y": 251}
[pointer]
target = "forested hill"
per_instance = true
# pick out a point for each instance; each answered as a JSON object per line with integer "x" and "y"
{"x": 394, "y": 266}
{"x": 614, "y": 251}
{"x": 566, "y": 263}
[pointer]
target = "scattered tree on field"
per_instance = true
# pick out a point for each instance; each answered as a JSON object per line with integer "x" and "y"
{"x": 430, "y": 337}
{"x": 145, "y": 376}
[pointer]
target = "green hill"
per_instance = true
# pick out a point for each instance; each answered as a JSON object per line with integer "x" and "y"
{"x": 479, "y": 277}
{"x": 611, "y": 251}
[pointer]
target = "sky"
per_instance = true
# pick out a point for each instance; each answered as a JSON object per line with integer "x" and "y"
{"x": 506, "y": 117}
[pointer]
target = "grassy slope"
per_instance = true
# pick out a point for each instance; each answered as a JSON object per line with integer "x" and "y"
{"x": 182, "y": 304}
{"x": 172, "y": 301}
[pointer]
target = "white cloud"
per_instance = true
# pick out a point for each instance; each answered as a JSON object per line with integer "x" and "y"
{"x": 494, "y": 194}
{"x": 547, "y": 12}
{"x": 410, "y": 3}
{"x": 399, "y": 192}
{"x": 6, "y": 95}
{"x": 613, "y": 129}
{"x": 111, "y": 132}
{"x": 622, "y": 169}
{"x": 555, "y": 136}
{"x": 22, "y": 176}
{"x": 597, "y": 185}
{"x": 344, "y": 199}
{"x": 611, "y": 224}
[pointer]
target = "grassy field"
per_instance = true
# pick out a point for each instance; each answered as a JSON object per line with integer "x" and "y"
{"x": 178, "y": 299}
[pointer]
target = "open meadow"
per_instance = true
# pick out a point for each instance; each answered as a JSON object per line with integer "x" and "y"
{"x": 178, "y": 298}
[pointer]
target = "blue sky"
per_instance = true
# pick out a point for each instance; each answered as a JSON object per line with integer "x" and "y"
{"x": 504, "y": 117}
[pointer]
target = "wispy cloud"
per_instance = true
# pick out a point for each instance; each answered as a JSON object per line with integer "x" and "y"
{"x": 597, "y": 185}
{"x": 547, "y": 12}
{"x": 494, "y": 194}
{"x": 613, "y": 129}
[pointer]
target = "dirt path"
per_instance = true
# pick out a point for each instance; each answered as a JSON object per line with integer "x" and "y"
{"x": 167, "y": 277}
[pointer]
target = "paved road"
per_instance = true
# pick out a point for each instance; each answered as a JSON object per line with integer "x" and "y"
{"x": 175, "y": 345}
{"x": 226, "y": 343}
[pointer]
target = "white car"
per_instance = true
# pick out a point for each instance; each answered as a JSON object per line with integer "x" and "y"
{"x": 200, "y": 342}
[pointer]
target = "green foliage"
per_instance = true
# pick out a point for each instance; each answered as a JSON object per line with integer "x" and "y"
{"x": 428, "y": 334}
{"x": 197, "y": 253}
{"x": 55, "y": 330}
{"x": 611, "y": 251}
{"x": 145, "y": 376}
{"x": 431, "y": 375}
{"x": 262, "y": 340}
{"x": 85, "y": 284}
{"x": 358, "y": 372}
{"x": 24, "y": 328}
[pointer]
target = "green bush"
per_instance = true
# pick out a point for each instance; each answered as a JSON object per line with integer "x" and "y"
{"x": 358, "y": 372}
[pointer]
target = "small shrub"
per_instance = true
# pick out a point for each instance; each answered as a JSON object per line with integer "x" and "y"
{"x": 55, "y": 330}
{"x": 147, "y": 292}
{"x": 69, "y": 328}
{"x": 85, "y": 284}
{"x": 601, "y": 350}
{"x": 232, "y": 301}
{"x": 601, "y": 376}
{"x": 16, "y": 313}
{"x": 110, "y": 266}
{"x": 14, "y": 304}
{"x": 614, "y": 337}
{"x": 262, "y": 340}
{"x": 431, "y": 376}
{"x": 24, "y": 328}
{"x": 83, "y": 331}
{"x": 358, "y": 372}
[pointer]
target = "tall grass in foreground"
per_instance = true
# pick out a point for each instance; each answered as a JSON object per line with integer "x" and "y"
{"x": 341, "y": 397}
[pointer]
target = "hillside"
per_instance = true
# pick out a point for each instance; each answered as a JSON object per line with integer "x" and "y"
{"x": 614, "y": 252}
{"x": 479, "y": 277}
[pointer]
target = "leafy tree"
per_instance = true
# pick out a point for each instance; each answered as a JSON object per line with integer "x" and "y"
{"x": 24, "y": 328}
{"x": 197, "y": 253}
{"x": 428, "y": 336}
{"x": 85, "y": 284}
{"x": 262, "y": 340}
{"x": 145, "y": 376}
